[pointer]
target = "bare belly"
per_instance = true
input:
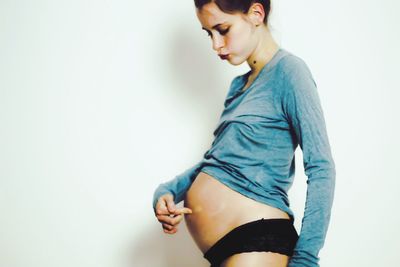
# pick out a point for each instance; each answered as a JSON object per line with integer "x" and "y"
{"x": 217, "y": 209}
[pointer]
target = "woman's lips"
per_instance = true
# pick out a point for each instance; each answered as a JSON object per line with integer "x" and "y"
{"x": 224, "y": 56}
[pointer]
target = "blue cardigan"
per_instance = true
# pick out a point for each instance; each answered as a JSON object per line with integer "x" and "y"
{"x": 255, "y": 140}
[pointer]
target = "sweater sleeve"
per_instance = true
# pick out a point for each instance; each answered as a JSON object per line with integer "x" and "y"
{"x": 302, "y": 107}
{"x": 178, "y": 185}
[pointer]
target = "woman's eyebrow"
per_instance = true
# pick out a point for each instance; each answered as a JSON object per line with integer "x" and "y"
{"x": 215, "y": 26}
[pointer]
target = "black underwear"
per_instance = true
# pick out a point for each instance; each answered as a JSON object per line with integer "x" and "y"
{"x": 275, "y": 235}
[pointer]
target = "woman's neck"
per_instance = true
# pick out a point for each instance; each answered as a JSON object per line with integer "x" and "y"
{"x": 264, "y": 51}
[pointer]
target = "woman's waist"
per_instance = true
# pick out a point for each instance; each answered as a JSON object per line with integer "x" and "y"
{"x": 208, "y": 197}
{"x": 217, "y": 209}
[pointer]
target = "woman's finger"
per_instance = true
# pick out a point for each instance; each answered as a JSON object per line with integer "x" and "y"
{"x": 161, "y": 207}
{"x": 171, "y": 231}
{"x": 170, "y": 220}
{"x": 176, "y": 220}
{"x": 168, "y": 226}
{"x": 183, "y": 211}
{"x": 170, "y": 202}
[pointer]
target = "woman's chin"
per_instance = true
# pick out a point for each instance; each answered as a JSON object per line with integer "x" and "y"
{"x": 234, "y": 60}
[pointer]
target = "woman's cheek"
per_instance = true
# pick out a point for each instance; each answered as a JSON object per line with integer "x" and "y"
{"x": 233, "y": 45}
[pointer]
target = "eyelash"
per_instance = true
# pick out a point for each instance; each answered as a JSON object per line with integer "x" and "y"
{"x": 222, "y": 32}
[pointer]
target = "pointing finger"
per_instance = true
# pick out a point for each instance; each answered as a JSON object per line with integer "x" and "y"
{"x": 183, "y": 211}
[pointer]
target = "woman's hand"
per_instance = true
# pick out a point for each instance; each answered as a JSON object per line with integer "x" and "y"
{"x": 168, "y": 215}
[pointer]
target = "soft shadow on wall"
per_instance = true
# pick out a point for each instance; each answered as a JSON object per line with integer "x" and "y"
{"x": 201, "y": 81}
{"x": 201, "y": 75}
{"x": 154, "y": 248}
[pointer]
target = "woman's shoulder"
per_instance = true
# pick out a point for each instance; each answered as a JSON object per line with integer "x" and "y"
{"x": 293, "y": 67}
{"x": 291, "y": 62}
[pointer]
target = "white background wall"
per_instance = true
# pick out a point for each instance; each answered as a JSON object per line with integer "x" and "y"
{"x": 100, "y": 101}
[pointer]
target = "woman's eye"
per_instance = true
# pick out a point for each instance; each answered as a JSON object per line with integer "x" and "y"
{"x": 224, "y": 31}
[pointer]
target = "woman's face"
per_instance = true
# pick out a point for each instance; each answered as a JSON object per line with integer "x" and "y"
{"x": 232, "y": 34}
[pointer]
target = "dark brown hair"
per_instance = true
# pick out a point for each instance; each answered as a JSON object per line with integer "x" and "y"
{"x": 234, "y": 6}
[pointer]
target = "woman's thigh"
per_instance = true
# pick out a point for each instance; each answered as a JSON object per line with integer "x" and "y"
{"x": 256, "y": 259}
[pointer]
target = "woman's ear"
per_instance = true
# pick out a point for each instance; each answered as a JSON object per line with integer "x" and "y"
{"x": 256, "y": 14}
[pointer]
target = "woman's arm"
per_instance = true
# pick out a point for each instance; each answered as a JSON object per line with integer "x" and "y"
{"x": 305, "y": 115}
{"x": 178, "y": 185}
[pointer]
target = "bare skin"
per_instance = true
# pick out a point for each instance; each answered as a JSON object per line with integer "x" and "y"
{"x": 212, "y": 209}
{"x": 217, "y": 209}
{"x": 208, "y": 201}
{"x": 248, "y": 83}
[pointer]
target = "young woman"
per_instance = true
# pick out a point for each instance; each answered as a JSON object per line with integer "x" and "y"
{"x": 236, "y": 205}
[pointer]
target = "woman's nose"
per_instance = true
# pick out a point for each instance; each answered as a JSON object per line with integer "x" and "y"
{"x": 218, "y": 42}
